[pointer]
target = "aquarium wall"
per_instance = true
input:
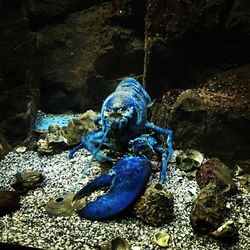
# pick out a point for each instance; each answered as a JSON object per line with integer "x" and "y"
{"x": 19, "y": 85}
{"x": 67, "y": 56}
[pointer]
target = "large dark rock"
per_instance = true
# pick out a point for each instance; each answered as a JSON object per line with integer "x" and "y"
{"x": 82, "y": 59}
{"x": 9, "y": 202}
{"x": 4, "y": 145}
{"x": 49, "y": 11}
{"x": 213, "y": 119}
{"x": 155, "y": 206}
{"x": 18, "y": 91}
{"x": 187, "y": 40}
{"x": 208, "y": 209}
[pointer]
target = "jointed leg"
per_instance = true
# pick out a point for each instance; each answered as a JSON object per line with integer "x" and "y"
{"x": 163, "y": 131}
{"x": 72, "y": 151}
{"x": 165, "y": 157}
{"x": 163, "y": 163}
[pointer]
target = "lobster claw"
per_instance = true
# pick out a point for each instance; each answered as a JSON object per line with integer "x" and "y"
{"x": 126, "y": 180}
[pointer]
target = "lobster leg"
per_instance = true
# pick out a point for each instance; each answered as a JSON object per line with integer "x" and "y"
{"x": 168, "y": 133}
{"x": 163, "y": 163}
{"x": 72, "y": 151}
{"x": 93, "y": 142}
{"x": 97, "y": 120}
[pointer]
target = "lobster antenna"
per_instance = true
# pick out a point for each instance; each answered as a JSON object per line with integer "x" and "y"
{"x": 107, "y": 127}
{"x": 89, "y": 163}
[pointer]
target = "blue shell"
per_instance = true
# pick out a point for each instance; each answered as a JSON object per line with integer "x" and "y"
{"x": 129, "y": 94}
{"x": 126, "y": 179}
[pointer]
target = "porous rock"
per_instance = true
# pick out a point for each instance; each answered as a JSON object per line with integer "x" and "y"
{"x": 57, "y": 139}
{"x": 155, "y": 206}
{"x": 207, "y": 212}
{"x": 189, "y": 160}
{"x": 217, "y": 172}
{"x": 83, "y": 124}
{"x": 62, "y": 205}
{"x": 23, "y": 182}
{"x": 52, "y": 142}
{"x": 213, "y": 119}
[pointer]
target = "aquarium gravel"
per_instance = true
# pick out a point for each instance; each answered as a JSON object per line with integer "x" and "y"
{"x": 32, "y": 226}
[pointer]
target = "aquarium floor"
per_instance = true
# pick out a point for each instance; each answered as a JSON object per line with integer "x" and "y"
{"x": 32, "y": 227}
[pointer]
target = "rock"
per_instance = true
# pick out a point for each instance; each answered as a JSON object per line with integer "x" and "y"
{"x": 207, "y": 212}
{"x": 117, "y": 243}
{"x": 78, "y": 127}
{"x": 62, "y": 206}
{"x": 52, "y": 142}
{"x": 155, "y": 206}
{"x": 193, "y": 40}
{"x": 215, "y": 171}
{"x": 23, "y": 182}
{"x": 217, "y": 112}
{"x": 75, "y": 78}
{"x": 161, "y": 238}
{"x": 227, "y": 232}
{"x": 21, "y": 149}
{"x": 18, "y": 86}
{"x": 45, "y": 12}
{"x": 4, "y": 146}
{"x": 9, "y": 202}
{"x": 189, "y": 160}
{"x": 57, "y": 139}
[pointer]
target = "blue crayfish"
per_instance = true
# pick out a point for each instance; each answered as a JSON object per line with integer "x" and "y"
{"x": 122, "y": 123}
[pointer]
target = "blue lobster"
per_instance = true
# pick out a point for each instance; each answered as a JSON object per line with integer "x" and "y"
{"x": 122, "y": 122}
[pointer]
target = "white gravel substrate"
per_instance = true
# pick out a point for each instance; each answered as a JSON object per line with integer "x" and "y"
{"x": 31, "y": 226}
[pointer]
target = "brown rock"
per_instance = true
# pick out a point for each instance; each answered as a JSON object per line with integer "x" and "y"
{"x": 213, "y": 119}
{"x": 155, "y": 206}
{"x": 82, "y": 59}
{"x": 187, "y": 41}
{"x": 18, "y": 87}
{"x": 207, "y": 212}
{"x": 78, "y": 127}
{"x": 215, "y": 171}
{"x": 9, "y": 202}
{"x": 23, "y": 182}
